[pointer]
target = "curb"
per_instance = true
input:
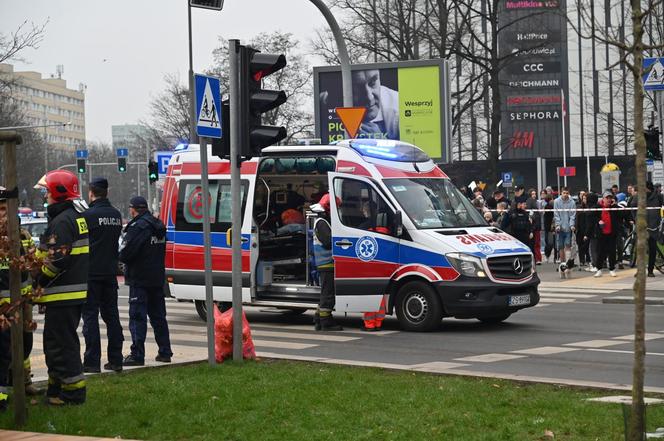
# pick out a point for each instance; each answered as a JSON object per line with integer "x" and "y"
{"x": 629, "y": 300}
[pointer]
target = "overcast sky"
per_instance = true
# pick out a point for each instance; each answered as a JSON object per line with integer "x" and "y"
{"x": 121, "y": 49}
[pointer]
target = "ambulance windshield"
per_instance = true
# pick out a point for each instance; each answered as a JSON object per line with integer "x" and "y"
{"x": 434, "y": 203}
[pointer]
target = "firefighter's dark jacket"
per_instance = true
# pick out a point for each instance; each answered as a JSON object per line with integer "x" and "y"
{"x": 143, "y": 251}
{"x": 64, "y": 274}
{"x": 105, "y": 226}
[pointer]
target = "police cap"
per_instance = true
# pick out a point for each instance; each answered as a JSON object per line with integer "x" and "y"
{"x": 138, "y": 202}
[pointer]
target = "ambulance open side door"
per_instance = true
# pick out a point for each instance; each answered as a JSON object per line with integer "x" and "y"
{"x": 364, "y": 247}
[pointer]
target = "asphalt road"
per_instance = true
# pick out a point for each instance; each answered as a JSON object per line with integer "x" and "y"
{"x": 571, "y": 337}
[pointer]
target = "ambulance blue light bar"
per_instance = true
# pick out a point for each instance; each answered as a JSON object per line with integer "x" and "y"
{"x": 389, "y": 150}
{"x": 180, "y": 147}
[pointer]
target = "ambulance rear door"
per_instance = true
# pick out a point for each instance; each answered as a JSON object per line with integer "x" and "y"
{"x": 364, "y": 245}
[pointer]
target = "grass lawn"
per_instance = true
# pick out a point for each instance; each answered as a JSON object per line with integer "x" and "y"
{"x": 279, "y": 400}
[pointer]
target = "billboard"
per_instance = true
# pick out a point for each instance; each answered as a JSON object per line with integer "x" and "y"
{"x": 535, "y": 39}
{"x": 408, "y": 101}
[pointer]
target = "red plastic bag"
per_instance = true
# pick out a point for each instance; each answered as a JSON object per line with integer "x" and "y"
{"x": 223, "y": 336}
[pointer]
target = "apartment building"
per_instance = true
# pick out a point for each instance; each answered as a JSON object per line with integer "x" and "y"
{"x": 48, "y": 100}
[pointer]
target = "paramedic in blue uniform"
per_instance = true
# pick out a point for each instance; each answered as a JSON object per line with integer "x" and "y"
{"x": 104, "y": 226}
{"x": 143, "y": 252}
{"x": 323, "y": 319}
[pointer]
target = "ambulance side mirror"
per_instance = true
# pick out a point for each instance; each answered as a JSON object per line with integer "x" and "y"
{"x": 397, "y": 224}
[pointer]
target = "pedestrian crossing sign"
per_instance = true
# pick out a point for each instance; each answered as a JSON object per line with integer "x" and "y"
{"x": 208, "y": 106}
{"x": 653, "y": 76}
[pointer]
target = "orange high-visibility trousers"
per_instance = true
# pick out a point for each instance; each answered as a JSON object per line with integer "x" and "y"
{"x": 374, "y": 319}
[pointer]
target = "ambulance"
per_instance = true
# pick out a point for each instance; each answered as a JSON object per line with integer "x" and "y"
{"x": 400, "y": 228}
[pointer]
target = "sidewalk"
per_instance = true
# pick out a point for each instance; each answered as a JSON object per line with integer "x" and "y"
{"x": 11, "y": 435}
{"x": 624, "y": 279}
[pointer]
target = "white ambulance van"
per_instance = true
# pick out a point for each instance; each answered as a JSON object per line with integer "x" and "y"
{"x": 399, "y": 227}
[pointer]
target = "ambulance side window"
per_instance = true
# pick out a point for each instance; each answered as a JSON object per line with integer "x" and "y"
{"x": 189, "y": 216}
{"x": 362, "y": 207}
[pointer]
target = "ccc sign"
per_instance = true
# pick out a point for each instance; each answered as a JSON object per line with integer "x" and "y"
{"x": 537, "y": 67}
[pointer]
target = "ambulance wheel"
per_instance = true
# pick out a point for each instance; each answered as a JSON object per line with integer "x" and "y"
{"x": 202, "y": 310}
{"x": 494, "y": 320}
{"x": 418, "y": 307}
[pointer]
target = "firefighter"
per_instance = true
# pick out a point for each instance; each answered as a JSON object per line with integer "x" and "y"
{"x": 322, "y": 239}
{"x": 105, "y": 225}
{"x": 27, "y": 246}
{"x": 63, "y": 280}
{"x": 143, "y": 253}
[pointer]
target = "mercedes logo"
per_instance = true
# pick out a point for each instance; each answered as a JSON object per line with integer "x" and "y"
{"x": 517, "y": 266}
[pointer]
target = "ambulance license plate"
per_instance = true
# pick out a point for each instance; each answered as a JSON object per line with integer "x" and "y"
{"x": 519, "y": 300}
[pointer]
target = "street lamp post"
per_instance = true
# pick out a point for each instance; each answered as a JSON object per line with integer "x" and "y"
{"x": 344, "y": 60}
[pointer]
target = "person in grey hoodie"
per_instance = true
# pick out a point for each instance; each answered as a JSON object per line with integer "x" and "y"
{"x": 564, "y": 218}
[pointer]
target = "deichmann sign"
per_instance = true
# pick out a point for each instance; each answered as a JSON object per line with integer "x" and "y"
{"x": 531, "y": 4}
{"x": 535, "y": 84}
{"x": 406, "y": 100}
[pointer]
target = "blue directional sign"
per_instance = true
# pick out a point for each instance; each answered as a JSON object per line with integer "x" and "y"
{"x": 653, "y": 76}
{"x": 82, "y": 154}
{"x": 122, "y": 153}
{"x": 208, "y": 106}
{"x": 162, "y": 159}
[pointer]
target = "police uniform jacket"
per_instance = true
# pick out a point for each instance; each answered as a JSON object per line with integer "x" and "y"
{"x": 64, "y": 244}
{"x": 144, "y": 251}
{"x": 5, "y": 295}
{"x": 105, "y": 226}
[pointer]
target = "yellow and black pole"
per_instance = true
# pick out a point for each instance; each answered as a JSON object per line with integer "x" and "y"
{"x": 9, "y": 139}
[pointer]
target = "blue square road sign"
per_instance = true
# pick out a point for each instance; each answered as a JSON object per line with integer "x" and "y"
{"x": 208, "y": 106}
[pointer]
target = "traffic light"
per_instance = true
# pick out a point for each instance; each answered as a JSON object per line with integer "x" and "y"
{"x": 653, "y": 149}
{"x": 221, "y": 147}
{"x": 80, "y": 165}
{"x": 254, "y": 66}
{"x": 122, "y": 164}
{"x": 153, "y": 171}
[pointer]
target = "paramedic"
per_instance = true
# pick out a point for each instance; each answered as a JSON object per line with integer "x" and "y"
{"x": 105, "y": 225}
{"x": 63, "y": 279}
{"x": 325, "y": 266}
{"x": 143, "y": 252}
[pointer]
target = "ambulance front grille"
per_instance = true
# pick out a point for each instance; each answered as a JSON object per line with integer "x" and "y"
{"x": 511, "y": 267}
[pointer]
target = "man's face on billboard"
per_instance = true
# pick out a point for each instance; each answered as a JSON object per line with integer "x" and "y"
{"x": 366, "y": 91}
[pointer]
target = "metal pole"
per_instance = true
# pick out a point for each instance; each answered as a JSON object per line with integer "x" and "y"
{"x": 581, "y": 105}
{"x": 237, "y": 138}
{"x": 588, "y": 170}
{"x": 595, "y": 74}
{"x": 562, "y": 95}
{"x": 344, "y": 60}
{"x": 147, "y": 178}
{"x": 207, "y": 246}
{"x": 193, "y": 137}
{"x": 138, "y": 180}
{"x": 10, "y": 139}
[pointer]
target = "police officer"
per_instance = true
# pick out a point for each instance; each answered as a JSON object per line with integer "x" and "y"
{"x": 322, "y": 239}
{"x": 105, "y": 226}
{"x": 143, "y": 253}
{"x": 27, "y": 246}
{"x": 62, "y": 286}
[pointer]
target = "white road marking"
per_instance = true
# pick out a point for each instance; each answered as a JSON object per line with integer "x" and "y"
{"x": 282, "y": 344}
{"x": 618, "y": 351}
{"x": 436, "y": 366}
{"x": 595, "y": 343}
{"x": 555, "y": 300}
{"x": 545, "y": 350}
{"x": 648, "y": 336}
{"x": 489, "y": 358}
{"x": 572, "y": 296}
{"x": 313, "y": 336}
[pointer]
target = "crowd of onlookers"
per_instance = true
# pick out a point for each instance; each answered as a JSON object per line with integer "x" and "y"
{"x": 586, "y": 230}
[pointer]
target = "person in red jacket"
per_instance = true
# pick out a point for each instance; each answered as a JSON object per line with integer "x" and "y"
{"x": 607, "y": 230}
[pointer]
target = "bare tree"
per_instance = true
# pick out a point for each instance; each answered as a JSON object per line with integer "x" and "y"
{"x": 632, "y": 44}
{"x": 26, "y": 36}
{"x": 169, "y": 110}
{"x": 294, "y": 80}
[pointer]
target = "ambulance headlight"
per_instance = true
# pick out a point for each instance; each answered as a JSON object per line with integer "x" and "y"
{"x": 466, "y": 264}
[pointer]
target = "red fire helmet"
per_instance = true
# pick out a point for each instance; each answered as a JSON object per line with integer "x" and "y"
{"x": 62, "y": 184}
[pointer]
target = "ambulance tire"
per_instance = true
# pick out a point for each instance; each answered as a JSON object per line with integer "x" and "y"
{"x": 418, "y": 307}
{"x": 202, "y": 310}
